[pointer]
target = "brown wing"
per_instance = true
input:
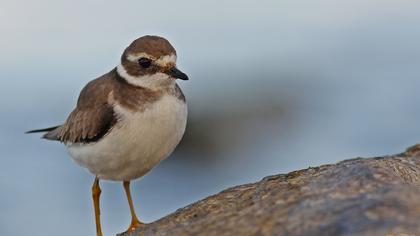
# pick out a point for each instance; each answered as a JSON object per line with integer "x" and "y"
{"x": 84, "y": 126}
{"x": 93, "y": 116}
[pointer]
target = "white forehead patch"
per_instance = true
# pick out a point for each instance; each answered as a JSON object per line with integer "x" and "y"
{"x": 162, "y": 61}
{"x": 165, "y": 60}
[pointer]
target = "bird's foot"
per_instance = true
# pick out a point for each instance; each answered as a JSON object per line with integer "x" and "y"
{"x": 134, "y": 225}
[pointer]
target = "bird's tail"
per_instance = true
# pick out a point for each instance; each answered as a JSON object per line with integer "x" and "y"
{"x": 41, "y": 130}
{"x": 52, "y": 133}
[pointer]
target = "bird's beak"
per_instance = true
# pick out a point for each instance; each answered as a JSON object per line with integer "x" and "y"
{"x": 175, "y": 73}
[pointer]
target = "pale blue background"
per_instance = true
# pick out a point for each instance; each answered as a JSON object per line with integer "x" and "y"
{"x": 275, "y": 86}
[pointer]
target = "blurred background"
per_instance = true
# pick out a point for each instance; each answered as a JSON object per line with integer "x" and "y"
{"x": 275, "y": 86}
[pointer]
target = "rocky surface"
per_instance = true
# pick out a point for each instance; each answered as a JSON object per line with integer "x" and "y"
{"x": 373, "y": 196}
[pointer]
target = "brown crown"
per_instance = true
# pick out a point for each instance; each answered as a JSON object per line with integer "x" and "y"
{"x": 154, "y": 46}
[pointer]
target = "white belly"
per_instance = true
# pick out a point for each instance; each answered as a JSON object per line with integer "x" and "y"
{"x": 138, "y": 142}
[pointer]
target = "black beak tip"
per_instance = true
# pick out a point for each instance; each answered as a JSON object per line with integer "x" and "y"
{"x": 176, "y": 73}
{"x": 185, "y": 77}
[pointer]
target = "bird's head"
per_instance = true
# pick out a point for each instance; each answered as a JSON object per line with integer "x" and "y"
{"x": 150, "y": 61}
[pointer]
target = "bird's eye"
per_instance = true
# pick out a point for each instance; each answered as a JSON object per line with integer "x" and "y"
{"x": 145, "y": 62}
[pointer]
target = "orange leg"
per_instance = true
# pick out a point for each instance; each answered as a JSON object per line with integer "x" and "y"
{"x": 96, "y": 193}
{"x": 135, "y": 223}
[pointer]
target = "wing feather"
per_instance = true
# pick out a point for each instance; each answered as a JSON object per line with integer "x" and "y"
{"x": 84, "y": 126}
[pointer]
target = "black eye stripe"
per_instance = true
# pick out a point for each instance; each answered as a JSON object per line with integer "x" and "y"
{"x": 145, "y": 62}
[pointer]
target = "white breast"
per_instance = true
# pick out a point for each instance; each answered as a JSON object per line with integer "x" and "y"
{"x": 137, "y": 143}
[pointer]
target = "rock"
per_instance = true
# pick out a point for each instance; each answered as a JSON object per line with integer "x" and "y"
{"x": 374, "y": 196}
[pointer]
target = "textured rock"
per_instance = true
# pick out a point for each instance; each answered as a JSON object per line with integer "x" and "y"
{"x": 374, "y": 196}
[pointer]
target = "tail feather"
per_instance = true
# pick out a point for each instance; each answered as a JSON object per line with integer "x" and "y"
{"x": 41, "y": 130}
{"x": 52, "y": 133}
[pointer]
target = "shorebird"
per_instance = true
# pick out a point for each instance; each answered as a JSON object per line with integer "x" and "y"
{"x": 127, "y": 120}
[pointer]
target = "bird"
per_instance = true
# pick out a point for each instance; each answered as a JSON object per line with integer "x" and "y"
{"x": 128, "y": 120}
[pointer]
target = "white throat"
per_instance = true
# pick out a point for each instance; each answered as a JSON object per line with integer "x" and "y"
{"x": 155, "y": 81}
